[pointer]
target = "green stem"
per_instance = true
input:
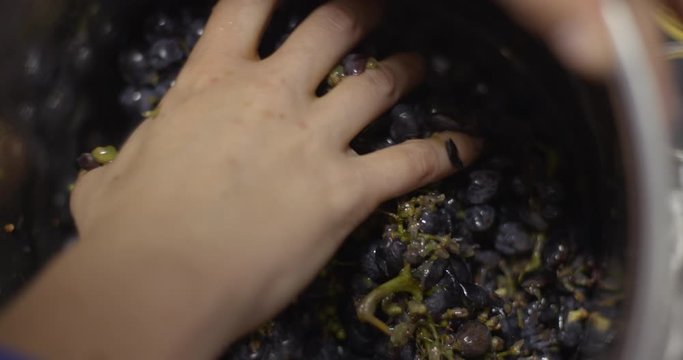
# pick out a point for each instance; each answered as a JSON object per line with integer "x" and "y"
{"x": 535, "y": 261}
{"x": 403, "y": 282}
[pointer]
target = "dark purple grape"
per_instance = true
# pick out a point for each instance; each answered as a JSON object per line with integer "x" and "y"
{"x": 483, "y": 186}
{"x": 530, "y": 318}
{"x": 440, "y": 122}
{"x": 193, "y": 32}
{"x": 243, "y": 351}
{"x": 520, "y": 187}
{"x": 552, "y": 212}
{"x": 570, "y": 335}
{"x": 329, "y": 350}
{"x": 361, "y": 285}
{"x": 27, "y": 113}
{"x": 559, "y": 248}
{"x": 369, "y": 264}
{"x": 499, "y": 164}
{"x": 550, "y": 356}
{"x": 459, "y": 269}
{"x": 595, "y": 342}
{"x": 430, "y": 272}
{"x": 136, "y": 68}
{"x": 508, "y": 212}
{"x": 550, "y": 312}
{"x": 81, "y": 56}
{"x": 488, "y": 259}
{"x": 510, "y": 330}
{"x": 392, "y": 254}
{"x": 473, "y": 339}
{"x": 550, "y": 192}
{"x": 451, "y": 283}
{"x": 442, "y": 103}
{"x": 513, "y": 239}
{"x": 406, "y": 123}
{"x": 532, "y": 218}
{"x": 435, "y": 222}
{"x": 439, "y": 301}
{"x": 460, "y": 233}
{"x": 454, "y": 155}
{"x": 382, "y": 350}
{"x": 534, "y": 283}
{"x": 104, "y": 32}
{"x": 87, "y": 162}
{"x": 165, "y": 85}
{"x": 408, "y": 352}
{"x": 542, "y": 341}
{"x": 440, "y": 64}
{"x": 354, "y": 64}
{"x": 480, "y": 217}
{"x": 452, "y": 208}
{"x": 475, "y": 296}
{"x": 361, "y": 338}
{"x": 137, "y": 101}
{"x": 57, "y": 107}
{"x": 164, "y": 53}
{"x": 38, "y": 66}
{"x": 160, "y": 25}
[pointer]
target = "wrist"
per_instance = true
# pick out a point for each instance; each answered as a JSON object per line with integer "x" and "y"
{"x": 144, "y": 301}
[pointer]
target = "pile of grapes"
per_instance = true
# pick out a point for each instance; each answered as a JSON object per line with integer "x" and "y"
{"x": 488, "y": 264}
{"x": 495, "y": 262}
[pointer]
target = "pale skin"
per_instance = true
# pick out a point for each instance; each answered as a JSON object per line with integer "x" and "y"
{"x": 219, "y": 210}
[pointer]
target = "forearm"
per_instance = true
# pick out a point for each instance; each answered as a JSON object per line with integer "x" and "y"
{"x": 111, "y": 299}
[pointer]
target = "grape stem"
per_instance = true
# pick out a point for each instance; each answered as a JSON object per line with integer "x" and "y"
{"x": 403, "y": 282}
{"x": 535, "y": 261}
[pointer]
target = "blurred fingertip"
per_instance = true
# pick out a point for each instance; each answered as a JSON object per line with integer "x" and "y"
{"x": 584, "y": 46}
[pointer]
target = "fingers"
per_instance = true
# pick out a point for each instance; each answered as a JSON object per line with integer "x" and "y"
{"x": 234, "y": 30}
{"x": 573, "y": 29}
{"x": 405, "y": 167}
{"x": 357, "y": 100}
{"x": 324, "y": 37}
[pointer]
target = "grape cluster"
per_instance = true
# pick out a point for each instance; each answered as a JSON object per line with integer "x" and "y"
{"x": 150, "y": 69}
{"x": 488, "y": 264}
{"x": 492, "y": 263}
{"x": 479, "y": 266}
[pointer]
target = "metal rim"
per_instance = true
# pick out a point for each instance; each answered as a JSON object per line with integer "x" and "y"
{"x": 645, "y": 148}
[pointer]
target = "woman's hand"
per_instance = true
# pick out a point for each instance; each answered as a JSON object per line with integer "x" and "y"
{"x": 220, "y": 209}
{"x": 247, "y": 168}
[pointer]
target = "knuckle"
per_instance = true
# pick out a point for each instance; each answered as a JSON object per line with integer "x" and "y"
{"x": 384, "y": 82}
{"x": 337, "y": 18}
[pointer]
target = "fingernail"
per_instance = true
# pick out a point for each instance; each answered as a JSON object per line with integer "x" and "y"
{"x": 454, "y": 155}
{"x": 583, "y": 45}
